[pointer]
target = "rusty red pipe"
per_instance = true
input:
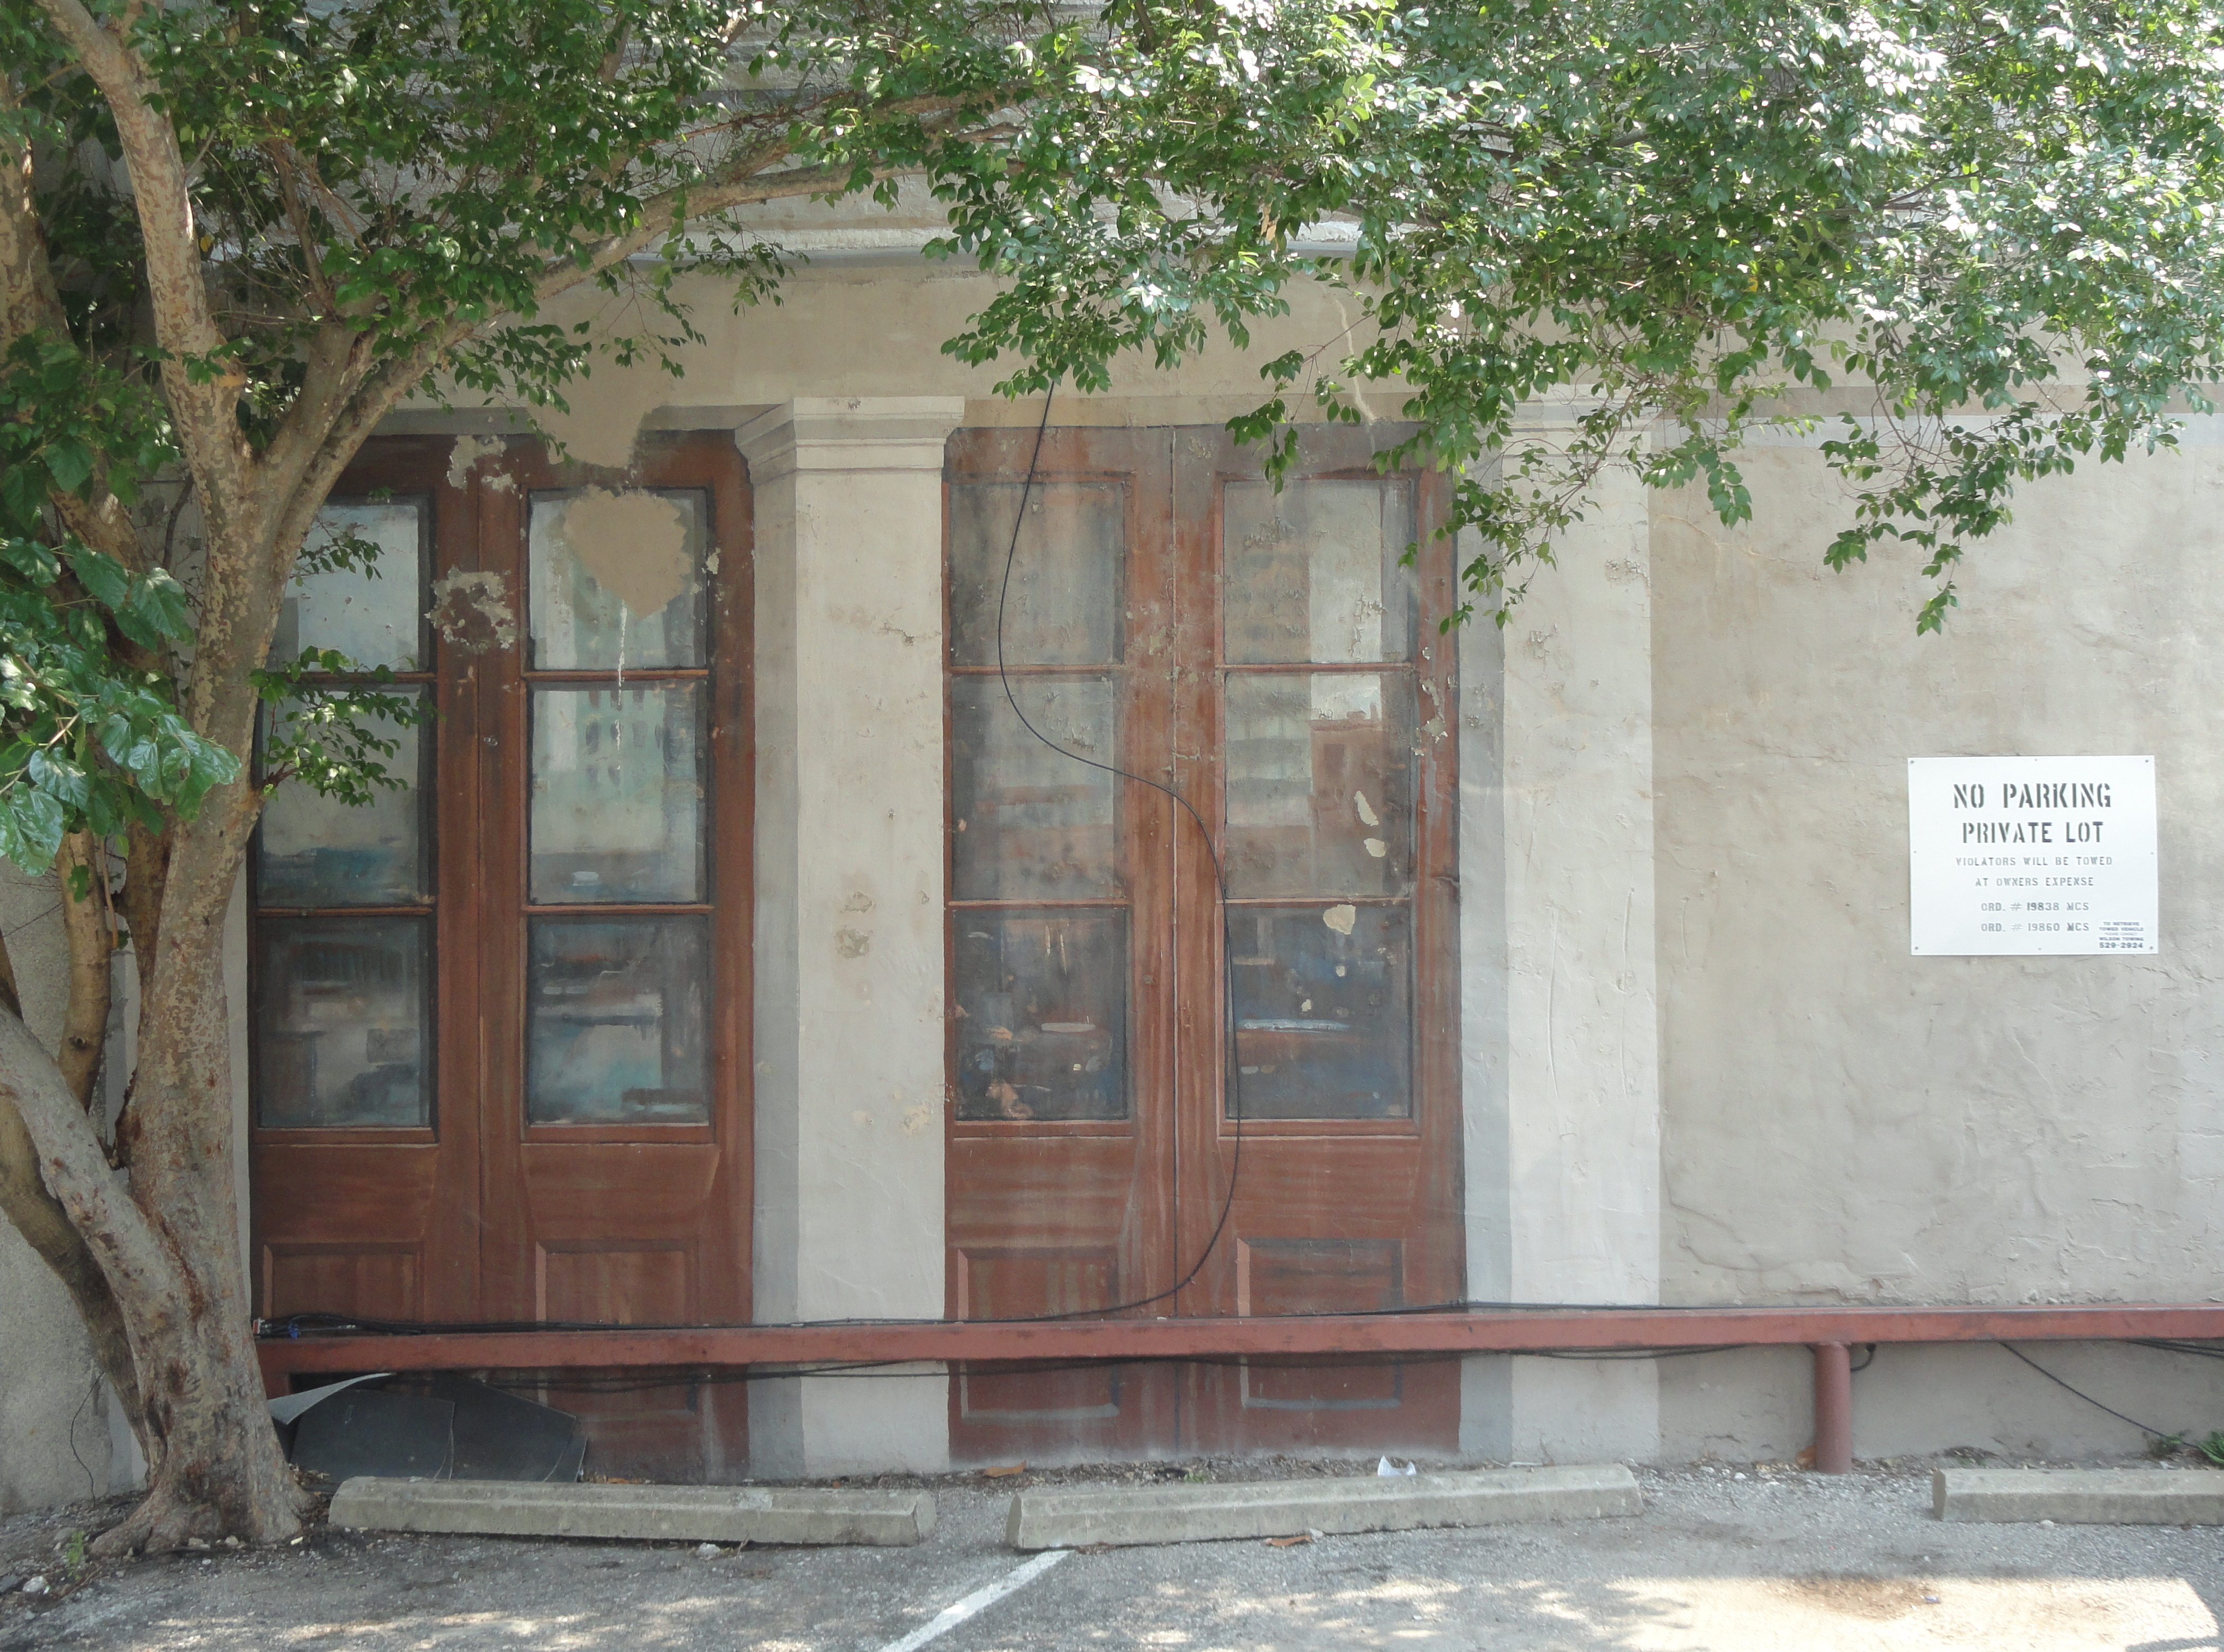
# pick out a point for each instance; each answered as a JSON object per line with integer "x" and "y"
{"x": 1834, "y": 1408}
{"x": 1829, "y": 1332}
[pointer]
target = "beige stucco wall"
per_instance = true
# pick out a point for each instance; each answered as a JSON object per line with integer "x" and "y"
{"x": 1701, "y": 1065}
{"x": 53, "y": 1418}
{"x": 1844, "y": 1122}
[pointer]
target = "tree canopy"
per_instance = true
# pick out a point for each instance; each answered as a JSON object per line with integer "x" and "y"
{"x": 235, "y": 236}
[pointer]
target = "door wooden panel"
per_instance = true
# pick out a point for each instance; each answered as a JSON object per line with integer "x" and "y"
{"x": 1052, "y": 1211}
{"x": 625, "y": 1198}
{"x": 381, "y": 1222}
{"x": 1304, "y": 714}
{"x": 629, "y": 1283}
{"x": 377, "y": 1281}
{"x": 1343, "y": 1212}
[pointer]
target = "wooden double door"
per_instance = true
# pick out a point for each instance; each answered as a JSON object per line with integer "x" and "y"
{"x": 1166, "y": 679}
{"x": 500, "y": 1050}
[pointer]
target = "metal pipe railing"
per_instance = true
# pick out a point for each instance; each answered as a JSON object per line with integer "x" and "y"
{"x": 1829, "y": 1332}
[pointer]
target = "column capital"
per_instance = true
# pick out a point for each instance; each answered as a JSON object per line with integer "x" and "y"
{"x": 849, "y": 434}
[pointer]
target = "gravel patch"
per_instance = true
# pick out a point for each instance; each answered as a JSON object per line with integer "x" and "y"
{"x": 1727, "y": 1557}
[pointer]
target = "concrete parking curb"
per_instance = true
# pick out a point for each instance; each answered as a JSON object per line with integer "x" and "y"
{"x": 712, "y": 1514}
{"x": 1183, "y": 1514}
{"x": 2082, "y": 1496}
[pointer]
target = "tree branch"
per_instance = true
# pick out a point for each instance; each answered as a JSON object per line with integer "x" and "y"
{"x": 346, "y": 430}
{"x": 84, "y": 918}
{"x": 44, "y": 1225}
{"x": 69, "y": 1159}
{"x": 297, "y": 215}
{"x": 743, "y": 182}
{"x": 29, "y": 300}
{"x": 29, "y": 303}
{"x": 207, "y": 427}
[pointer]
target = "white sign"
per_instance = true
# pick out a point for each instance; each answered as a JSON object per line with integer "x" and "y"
{"x": 2030, "y": 854}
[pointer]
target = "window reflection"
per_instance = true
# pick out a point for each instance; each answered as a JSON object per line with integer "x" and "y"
{"x": 617, "y": 798}
{"x": 618, "y": 1029}
{"x": 1320, "y": 784}
{"x": 1028, "y": 822}
{"x": 342, "y": 1012}
{"x": 615, "y": 579}
{"x": 1313, "y": 572}
{"x": 318, "y": 851}
{"x": 1042, "y": 1015}
{"x": 1323, "y": 1006}
{"x": 1064, "y": 606}
{"x": 372, "y": 616}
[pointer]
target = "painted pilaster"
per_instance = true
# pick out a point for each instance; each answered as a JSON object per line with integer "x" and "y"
{"x": 849, "y": 1012}
{"x": 1581, "y": 1090}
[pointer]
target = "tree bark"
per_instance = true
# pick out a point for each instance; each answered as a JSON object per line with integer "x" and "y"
{"x": 169, "y": 1251}
{"x": 84, "y": 1023}
{"x": 222, "y": 1471}
{"x": 39, "y": 1217}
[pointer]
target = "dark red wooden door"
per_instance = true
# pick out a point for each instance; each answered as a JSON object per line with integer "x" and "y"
{"x": 1261, "y": 654}
{"x": 583, "y": 1154}
{"x": 1060, "y": 1167}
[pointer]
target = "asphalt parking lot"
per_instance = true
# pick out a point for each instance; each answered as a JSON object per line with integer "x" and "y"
{"x": 1735, "y": 1558}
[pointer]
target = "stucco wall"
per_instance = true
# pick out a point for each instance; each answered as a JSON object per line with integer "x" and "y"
{"x": 50, "y": 1393}
{"x": 1844, "y": 1122}
{"x": 1701, "y": 1064}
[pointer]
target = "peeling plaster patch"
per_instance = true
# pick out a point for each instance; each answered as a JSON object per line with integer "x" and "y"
{"x": 1341, "y": 918}
{"x": 859, "y": 901}
{"x": 634, "y": 543}
{"x": 471, "y": 612}
{"x": 467, "y": 452}
{"x": 852, "y": 943}
{"x": 917, "y": 1118}
{"x": 604, "y": 424}
{"x": 1365, "y": 810}
{"x": 1375, "y": 847}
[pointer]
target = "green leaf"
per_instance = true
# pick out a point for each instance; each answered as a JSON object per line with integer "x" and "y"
{"x": 103, "y": 577}
{"x": 69, "y": 462}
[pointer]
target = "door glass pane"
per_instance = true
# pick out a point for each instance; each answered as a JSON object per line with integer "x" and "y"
{"x": 1029, "y": 823}
{"x": 1063, "y": 607}
{"x": 371, "y": 614}
{"x": 317, "y": 851}
{"x": 618, "y": 1032}
{"x": 1042, "y": 1015}
{"x": 617, "y": 795}
{"x": 616, "y": 580}
{"x": 343, "y": 1013}
{"x": 1320, "y": 784}
{"x": 1312, "y": 574}
{"x": 1323, "y": 998}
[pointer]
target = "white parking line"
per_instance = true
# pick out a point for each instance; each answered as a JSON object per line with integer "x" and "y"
{"x": 951, "y": 1616}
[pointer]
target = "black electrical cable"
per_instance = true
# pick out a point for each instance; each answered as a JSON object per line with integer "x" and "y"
{"x": 2175, "y": 1345}
{"x": 888, "y": 1368}
{"x": 2154, "y": 1434}
{"x": 291, "y": 1325}
{"x": 1232, "y": 1052}
{"x": 719, "y": 1375}
{"x": 727, "y": 1375}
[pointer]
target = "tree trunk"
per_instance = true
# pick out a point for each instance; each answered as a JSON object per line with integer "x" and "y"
{"x": 84, "y": 1024}
{"x": 170, "y": 1250}
{"x": 39, "y": 1217}
{"x": 222, "y": 1473}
